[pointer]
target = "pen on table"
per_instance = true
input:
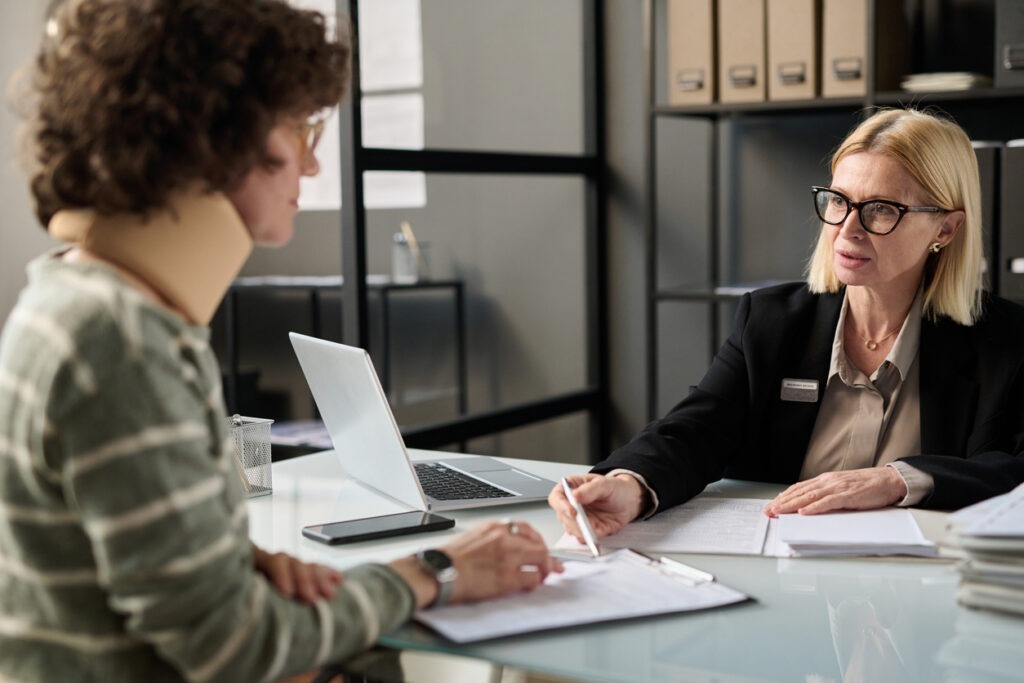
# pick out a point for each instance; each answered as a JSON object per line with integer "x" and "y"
{"x": 686, "y": 571}
{"x": 581, "y": 519}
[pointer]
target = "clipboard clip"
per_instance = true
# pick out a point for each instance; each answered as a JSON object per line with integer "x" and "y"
{"x": 691, "y": 576}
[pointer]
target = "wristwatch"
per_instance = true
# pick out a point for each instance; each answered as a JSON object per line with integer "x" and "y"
{"x": 439, "y": 565}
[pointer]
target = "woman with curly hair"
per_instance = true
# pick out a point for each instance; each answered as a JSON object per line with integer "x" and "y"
{"x": 168, "y": 137}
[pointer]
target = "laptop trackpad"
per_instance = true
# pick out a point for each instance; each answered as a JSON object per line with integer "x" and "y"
{"x": 477, "y": 464}
{"x": 501, "y": 474}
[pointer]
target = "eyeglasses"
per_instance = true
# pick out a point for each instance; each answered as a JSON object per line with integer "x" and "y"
{"x": 878, "y": 216}
{"x": 309, "y": 133}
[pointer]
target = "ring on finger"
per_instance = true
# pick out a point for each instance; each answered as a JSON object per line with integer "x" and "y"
{"x": 513, "y": 528}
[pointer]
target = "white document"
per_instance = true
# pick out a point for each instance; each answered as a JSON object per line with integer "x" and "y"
{"x": 1003, "y": 517}
{"x": 618, "y": 586}
{"x": 978, "y": 513}
{"x": 705, "y": 524}
{"x": 709, "y": 524}
{"x": 995, "y": 525}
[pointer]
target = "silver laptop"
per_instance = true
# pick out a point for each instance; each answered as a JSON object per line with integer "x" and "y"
{"x": 369, "y": 445}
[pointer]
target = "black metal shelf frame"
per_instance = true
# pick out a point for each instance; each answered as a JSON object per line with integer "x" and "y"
{"x": 356, "y": 160}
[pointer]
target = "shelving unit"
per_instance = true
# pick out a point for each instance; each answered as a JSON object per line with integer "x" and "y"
{"x": 724, "y": 244}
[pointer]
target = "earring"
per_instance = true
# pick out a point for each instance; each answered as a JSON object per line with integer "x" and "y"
{"x": 935, "y": 247}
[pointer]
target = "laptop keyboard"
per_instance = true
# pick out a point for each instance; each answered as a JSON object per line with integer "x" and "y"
{"x": 444, "y": 483}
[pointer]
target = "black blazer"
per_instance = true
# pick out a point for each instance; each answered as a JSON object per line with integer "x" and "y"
{"x": 735, "y": 424}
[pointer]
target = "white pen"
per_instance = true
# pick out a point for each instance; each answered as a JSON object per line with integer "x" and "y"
{"x": 581, "y": 519}
{"x": 692, "y": 573}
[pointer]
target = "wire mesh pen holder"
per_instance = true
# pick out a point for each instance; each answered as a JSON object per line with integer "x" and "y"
{"x": 252, "y": 453}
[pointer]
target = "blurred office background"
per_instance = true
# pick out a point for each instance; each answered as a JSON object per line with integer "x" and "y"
{"x": 598, "y": 244}
{"x": 494, "y": 77}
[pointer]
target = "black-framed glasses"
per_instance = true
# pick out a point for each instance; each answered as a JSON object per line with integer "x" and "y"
{"x": 877, "y": 216}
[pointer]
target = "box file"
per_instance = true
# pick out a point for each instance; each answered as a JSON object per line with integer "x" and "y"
{"x": 844, "y": 47}
{"x": 988, "y": 154}
{"x": 1011, "y": 222}
{"x": 691, "y": 52}
{"x": 1009, "y": 66}
{"x": 794, "y": 27}
{"x": 741, "y": 50}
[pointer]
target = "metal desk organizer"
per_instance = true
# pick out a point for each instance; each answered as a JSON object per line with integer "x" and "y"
{"x": 252, "y": 453}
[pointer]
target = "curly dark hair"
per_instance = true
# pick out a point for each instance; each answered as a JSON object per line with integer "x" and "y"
{"x": 138, "y": 99}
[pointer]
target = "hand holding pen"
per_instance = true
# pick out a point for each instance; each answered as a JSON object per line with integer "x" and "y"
{"x": 581, "y": 519}
{"x": 609, "y": 503}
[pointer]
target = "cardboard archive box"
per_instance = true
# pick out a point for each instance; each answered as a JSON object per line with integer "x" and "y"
{"x": 844, "y": 46}
{"x": 794, "y": 27}
{"x": 741, "y": 50}
{"x": 691, "y": 52}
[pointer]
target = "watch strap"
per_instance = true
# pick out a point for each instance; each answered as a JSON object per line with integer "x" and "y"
{"x": 438, "y": 564}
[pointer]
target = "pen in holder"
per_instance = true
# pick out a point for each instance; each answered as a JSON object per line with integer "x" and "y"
{"x": 252, "y": 453}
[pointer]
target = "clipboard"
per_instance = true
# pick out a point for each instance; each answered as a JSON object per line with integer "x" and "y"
{"x": 621, "y": 585}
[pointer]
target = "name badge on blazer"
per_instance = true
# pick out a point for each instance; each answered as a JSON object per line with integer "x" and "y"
{"x": 799, "y": 390}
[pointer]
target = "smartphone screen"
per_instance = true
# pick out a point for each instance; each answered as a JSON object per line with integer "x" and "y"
{"x": 377, "y": 527}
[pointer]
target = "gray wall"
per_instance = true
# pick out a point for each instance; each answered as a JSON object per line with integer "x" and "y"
{"x": 625, "y": 110}
{"x": 21, "y": 238}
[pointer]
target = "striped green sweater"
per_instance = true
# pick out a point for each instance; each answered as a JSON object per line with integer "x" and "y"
{"x": 124, "y": 547}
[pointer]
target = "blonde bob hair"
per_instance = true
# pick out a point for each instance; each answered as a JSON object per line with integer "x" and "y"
{"x": 938, "y": 154}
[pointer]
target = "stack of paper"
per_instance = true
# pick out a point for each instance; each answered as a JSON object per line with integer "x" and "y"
{"x": 937, "y": 82}
{"x": 991, "y": 537}
{"x": 889, "y": 531}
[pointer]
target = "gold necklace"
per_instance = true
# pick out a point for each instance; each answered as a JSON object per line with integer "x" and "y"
{"x": 872, "y": 344}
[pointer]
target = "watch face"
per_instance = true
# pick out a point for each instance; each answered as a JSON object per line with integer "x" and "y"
{"x": 436, "y": 560}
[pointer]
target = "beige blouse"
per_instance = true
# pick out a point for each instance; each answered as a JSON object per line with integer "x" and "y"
{"x": 871, "y": 421}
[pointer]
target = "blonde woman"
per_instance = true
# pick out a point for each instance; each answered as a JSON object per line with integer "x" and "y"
{"x": 888, "y": 378}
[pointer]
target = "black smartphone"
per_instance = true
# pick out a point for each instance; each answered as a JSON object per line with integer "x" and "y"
{"x": 377, "y": 527}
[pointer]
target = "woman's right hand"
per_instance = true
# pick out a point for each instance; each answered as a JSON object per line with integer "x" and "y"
{"x": 610, "y": 502}
{"x": 492, "y": 559}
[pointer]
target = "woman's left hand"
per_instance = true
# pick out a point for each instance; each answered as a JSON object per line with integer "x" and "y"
{"x": 293, "y": 578}
{"x": 864, "y": 489}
